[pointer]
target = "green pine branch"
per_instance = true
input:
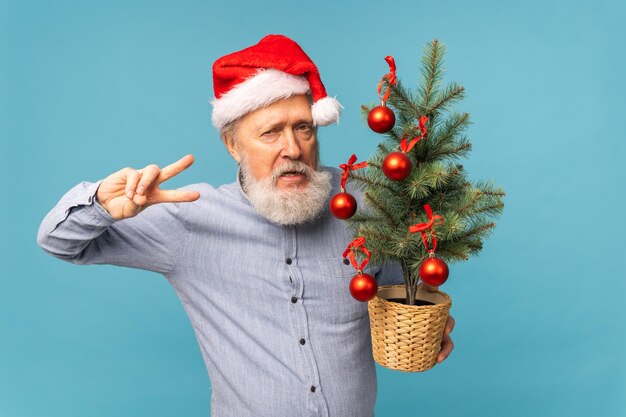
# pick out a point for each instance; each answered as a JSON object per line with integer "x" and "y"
{"x": 381, "y": 208}
{"x": 364, "y": 180}
{"x": 383, "y": 149}
{"x": 475, "y": 231}
{"x": 432, "y": 72}
{"x": 401, "y": 98}
{"x": 452, "y": 93}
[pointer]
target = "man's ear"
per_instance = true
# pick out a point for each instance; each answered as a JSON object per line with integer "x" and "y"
{"x": 231, "y": 146}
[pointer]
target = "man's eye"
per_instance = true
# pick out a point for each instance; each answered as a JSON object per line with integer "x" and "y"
{"x": 269, "y": 132}
{"x": 304, "y": 127}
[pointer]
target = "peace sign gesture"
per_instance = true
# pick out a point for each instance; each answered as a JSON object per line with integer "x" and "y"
{"x": 127, "y": 192}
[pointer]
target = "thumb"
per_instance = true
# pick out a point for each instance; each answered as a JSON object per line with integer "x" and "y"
{"x": 427, "y": 287}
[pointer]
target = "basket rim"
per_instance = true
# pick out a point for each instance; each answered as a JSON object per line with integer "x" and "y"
{"x": 395, "y": 305}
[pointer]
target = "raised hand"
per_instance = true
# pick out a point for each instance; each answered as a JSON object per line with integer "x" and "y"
{"x": 127, "y": 192}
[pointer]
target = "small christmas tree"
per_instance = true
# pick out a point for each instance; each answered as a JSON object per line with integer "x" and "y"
{"x": 397, "y": 209}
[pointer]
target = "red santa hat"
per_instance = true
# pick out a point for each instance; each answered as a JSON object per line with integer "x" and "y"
{"x": 257, "y": 76}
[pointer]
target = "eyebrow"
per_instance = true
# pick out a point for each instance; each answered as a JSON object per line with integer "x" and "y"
{"x": 262, "y": 127}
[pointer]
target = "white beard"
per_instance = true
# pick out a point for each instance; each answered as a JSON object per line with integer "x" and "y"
{"x": 287, "y": 207}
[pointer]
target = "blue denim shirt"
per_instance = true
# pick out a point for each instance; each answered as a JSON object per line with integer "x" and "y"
{"x": 269, "y": 304}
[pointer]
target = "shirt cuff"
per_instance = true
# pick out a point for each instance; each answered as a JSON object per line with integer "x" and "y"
{"x": 79, "y": 203}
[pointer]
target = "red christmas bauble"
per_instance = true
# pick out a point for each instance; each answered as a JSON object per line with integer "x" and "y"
{"x": 397, "y": 166}
{"x": 381, "y": 119}
{"x": 342, "y": 205}
{"x": 434, "y": 271}
{"x": 363, "y": 287}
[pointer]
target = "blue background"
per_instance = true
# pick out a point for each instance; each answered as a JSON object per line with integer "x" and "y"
{"x": 88, "y": 87}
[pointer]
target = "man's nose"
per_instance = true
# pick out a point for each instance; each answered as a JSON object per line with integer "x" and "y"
{"x": 291, "y": 145}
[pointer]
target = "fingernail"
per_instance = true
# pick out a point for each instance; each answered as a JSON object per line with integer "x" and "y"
{"x": 140, "y": 190}
{"x": 129, "y": 194}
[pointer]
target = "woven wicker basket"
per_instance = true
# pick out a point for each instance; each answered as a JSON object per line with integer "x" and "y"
{"x": 407, "y": 338}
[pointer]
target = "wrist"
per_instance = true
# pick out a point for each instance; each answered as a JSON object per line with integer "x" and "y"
{"x": 97, "y": 200}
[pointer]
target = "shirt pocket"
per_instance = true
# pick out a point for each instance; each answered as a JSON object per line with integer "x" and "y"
{"x": 336, "y": 281}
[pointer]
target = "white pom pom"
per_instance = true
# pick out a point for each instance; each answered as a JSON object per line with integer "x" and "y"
{"x": 326, "y": 111}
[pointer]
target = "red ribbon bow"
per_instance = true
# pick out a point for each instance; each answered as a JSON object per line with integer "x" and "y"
{"x": 391, "y": 77}
{"x": 348, "y": 167}
{"x": 358, "y": 243}
{"x": 406, "y": 148}
{"x": 423, "y": 227}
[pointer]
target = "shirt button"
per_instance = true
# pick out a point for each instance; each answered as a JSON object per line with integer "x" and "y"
{"x": 302, "y": 341}
{"x": 294, "y": 299}
{"x": 288, "y": 260}
{"x": 313, "y": 388}
{"x": 346, "y": 261}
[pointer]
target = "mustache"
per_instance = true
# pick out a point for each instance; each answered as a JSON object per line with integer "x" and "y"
{"x": 292, "y": 167}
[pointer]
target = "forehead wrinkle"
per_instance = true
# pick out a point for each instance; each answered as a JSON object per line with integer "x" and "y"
{"x": 268, "y": 120}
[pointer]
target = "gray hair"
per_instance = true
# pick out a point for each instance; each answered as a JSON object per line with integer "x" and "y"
{"x": 230, "y": 129}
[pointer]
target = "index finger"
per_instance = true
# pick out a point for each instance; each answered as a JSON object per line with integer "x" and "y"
{"x": 176, "y": 168}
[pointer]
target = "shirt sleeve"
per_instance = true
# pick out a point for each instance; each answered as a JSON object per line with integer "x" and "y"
{"x": 80, "y": 231}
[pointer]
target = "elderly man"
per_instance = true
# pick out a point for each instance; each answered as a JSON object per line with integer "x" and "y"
{"x": 256, "y": 263}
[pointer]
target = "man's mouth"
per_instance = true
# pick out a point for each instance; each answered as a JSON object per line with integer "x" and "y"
{"x": 291, "y": 173}
{"x": 292, "y": 177}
